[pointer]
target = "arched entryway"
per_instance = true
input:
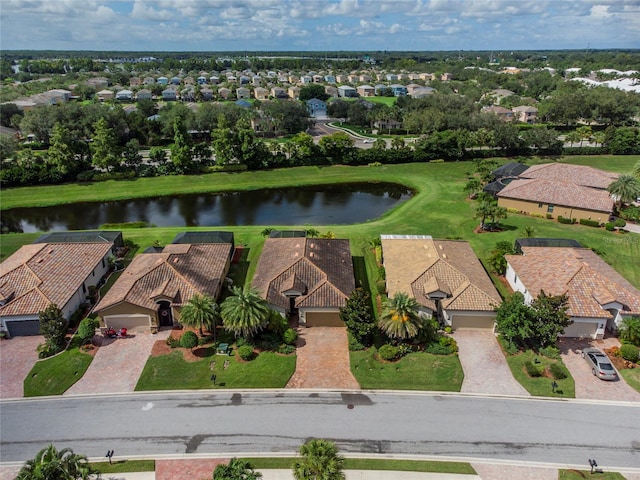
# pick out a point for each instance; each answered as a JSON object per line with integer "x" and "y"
{"x": 164, "y": 314}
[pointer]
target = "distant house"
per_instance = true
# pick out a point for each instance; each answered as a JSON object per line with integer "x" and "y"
{"x": 279, "y": 92}
{"x": 398, "y": 90}
{"x": 149, "y": 80}
{"x": 294, "y": 92}
{"x": 422, "y": 92}
{"x": 331, "y": 90}
{"x": 261, "y": 93}
{"x": 214, "y": 80}
{"x": 387, "y": 124}
{"x": 124, "y": 95}
{"x": 317, "y": 108}
{"x": 135, "y": 81}
{"x": 366, "y": 91}
{"x": 224, "y": 93}
{"x": 391, "y": 77}
{"x": 202, "y": 80}
{"x": 163, "y": 80}
{"x": 502, "y": 113}
{"x": 105, "y": 95}
{"x": 525, "y": 114}
{"x": 342, "y": 78}
{"x": 98, "y": 82}
{"x": 169, "y": 95}
{"x": 310, "y": 277}
{"x": 330, "y": 78}
{"x": 306, "y": 79}
{"x": 446, "y": 77}
{"x": 244, "y": 80}
{"x": 207, "y": 93}
{"x": 243, "y": 93}
{"x": 175, "y": 80}
{"x": 347, "y": 92}
{"x": 381, "y": 90}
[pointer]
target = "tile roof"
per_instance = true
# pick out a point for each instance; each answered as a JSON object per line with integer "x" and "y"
{"x": 588, "y": 280}
{"x": 419, "y": 265}
{"x": 44, "y": 273}
{"x": 178, "y": 272}
{"x": 577, "y": 174}
{"x": 321, "y": 268}
{"x": 565, "y": 193}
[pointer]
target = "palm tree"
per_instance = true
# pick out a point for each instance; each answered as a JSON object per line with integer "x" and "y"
{"x": 625, "y": 189}
{"x": 401, "y": 318}
{"x": 201, "y": 312}
{"x": 320, "y": 461}
{"x": 245, "y": 312}
{"x": 636, "y": 170}
{"x": 237, "y": 469}
{"x": 51, "y": 464}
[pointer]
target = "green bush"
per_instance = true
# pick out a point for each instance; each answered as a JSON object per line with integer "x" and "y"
{"x": 629, "y": 352}
{"x": 609, "y": 227}
{"x": 290, "y": 336}
{"x": 508, "y": 347}
{"x": 549, "y": 216}
{"x": 285, "y": 349}
{"x": 437, "y": 349}
{"x": 620, "y": 223}
{"x": 532, "y": 370}
{"x": 388, "y": 352}
{"x": 550, "y": 352}
{"x": 204, "y": 340}
{"x": 87, "y": 329}
{"x": 381, "y": 286}
{"x": 448, "y": 342}
{"x": 241, "y": 341}
{"x": 245, "y": 352}
{"x": 568, "y": 221}
{"x": 354, "y": 344}
{"x": 589, "y": 223}
{"x": 558, "y": 372}
{"x": 189, "y": 339}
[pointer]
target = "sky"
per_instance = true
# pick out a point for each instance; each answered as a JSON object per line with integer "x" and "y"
{"x": 318, "y": 25}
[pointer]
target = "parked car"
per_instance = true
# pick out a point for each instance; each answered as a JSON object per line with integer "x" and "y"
{"x": 367, "y": 140}
{"x": 600, "y": 364}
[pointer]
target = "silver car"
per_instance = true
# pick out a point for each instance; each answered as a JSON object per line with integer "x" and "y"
{"x": 600, "y": 364}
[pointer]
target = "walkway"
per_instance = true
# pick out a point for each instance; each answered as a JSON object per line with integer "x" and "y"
{"x": 323, "y": 360}
{"x": 485, "y": 368}
{"x": 18, "y": 355}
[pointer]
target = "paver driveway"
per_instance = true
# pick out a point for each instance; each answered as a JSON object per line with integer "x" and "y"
{"x": 485, "y": 368}
{"x": 589, "y": 386}
{"x": 18, "y": 355}
{"x": 118, "y": 364}
{"x": 323, "y": 359}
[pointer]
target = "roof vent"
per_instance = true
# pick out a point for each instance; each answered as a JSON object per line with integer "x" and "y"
{"x": 440, "y": 246}
{"x": 40, "y": 260}
{"x": 444, "y": 255}
{"x": 175, "y": 260}
{"x": 50, "y": 251}
{"x": 311, "y": 254}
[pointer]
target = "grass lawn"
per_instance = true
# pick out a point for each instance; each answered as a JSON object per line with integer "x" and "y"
{"x": 632, "y": 377}
{"x": 55, "y": 375}
{"x": 540, "y": 386}
{"x": 172, "y": 372}
{"x": 416, "y": 371}
{"x": 580, "y": 474}
{"x": 122, "y": 466}
{"x": 372, "y": 464}
{"x": 388, "y": 101}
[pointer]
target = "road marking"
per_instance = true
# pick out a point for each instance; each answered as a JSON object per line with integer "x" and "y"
{"x": 147, "y": 407}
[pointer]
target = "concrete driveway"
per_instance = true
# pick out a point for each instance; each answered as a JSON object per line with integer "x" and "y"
{"x": 589, "y": 386}
{"x": 118, "y": 364}
{"x": 323, "y": 359}
{"x": 18, "y": 355}
{"x": 485, "y": 368}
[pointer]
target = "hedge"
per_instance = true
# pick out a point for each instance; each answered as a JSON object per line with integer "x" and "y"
{"x": 589, "y": 223}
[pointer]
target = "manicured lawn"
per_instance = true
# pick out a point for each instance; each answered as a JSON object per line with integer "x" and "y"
{"x": 372, "y": 464}
{"x": 389, "y": 101}
{"x": 540, "y": 386}
{"x": 416, "y": 371}
{"x": 122, "y": 466}
{"x": 55, "y": 375}
{"x": 632, "y": 377}
{"x": 581, "y": 474}
{"x": 172, "y": 372}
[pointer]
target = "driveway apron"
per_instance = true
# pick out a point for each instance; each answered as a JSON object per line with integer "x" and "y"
{"x": 485, "y": 368}
{"x": 18, "y": 355}
{"x": 117, "y": 365}
{"x": 323, "y": 359}
{"x": 588, "y": 386}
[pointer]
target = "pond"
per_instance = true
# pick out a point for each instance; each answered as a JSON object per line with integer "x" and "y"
{"x": 318, "y": 205}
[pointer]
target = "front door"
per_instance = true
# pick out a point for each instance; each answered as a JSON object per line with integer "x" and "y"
{"x": 165, "y": 315}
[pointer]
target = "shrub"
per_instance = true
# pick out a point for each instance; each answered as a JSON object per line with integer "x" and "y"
{"x": 589, "y": 223}
{"x": 629, "y": 352}
{"x": 87, "y": 329}
{"x": 558, "y": 371}
{"x": 204, "y": 340}
{"x": 290, "y": 336}
{"x": 245, "y": 352}
{"x": 268, "y": 341}
{"x": 532, "y": 370}
{"x": 568, "y": 221}
{"x": 286, "y": 349}
{"x": 189, "y": 339}
{"x": 620, "y": 223}
{"x": 609, "y": 227}
{"x": 47, "y": 349}
{"x": 381, "y": 286}
{"x": 241, "y": 341}
{"x": 450, "y": 343}
{"x": 354, "y": 344}
{"x": 550, "y": 352}
{"x": 388, "y": 352}
{"x": 437, "y": 349}
{"x": 549, "y": 216}
{"x": 448, "y": 329}
{"x": 173, "y": 342}
{"x": 509, "y": 348}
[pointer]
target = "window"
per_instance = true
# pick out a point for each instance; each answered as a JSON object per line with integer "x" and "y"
{"x": 103, "y": 263}
{"x": 539, "y": 204}
{"x": 84, "y": 289}
{"x": 550, "y": 208}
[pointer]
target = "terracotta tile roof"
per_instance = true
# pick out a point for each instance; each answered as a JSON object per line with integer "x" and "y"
{"x": 321, "y": 268}
{"x": 40, "y": 274}
{"x": 419, "y": 265}
{"x": 177, "y": 273}
{"x": 577, "y": 174}
{"x": 564, "y": 193}
{"x": 588, "y": 280}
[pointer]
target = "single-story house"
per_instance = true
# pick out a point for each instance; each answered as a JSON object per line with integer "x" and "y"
{"x": 151, "y": 291}
{"x": 444, "y": 276}
{"x": 578, "y": 174}
{"x": 310, "y": 277}
{"x": 124, "y": 95}
{"x": 599, "y": 297}
{"x": 42, "y": 274}
{"x": 105, "y": 95}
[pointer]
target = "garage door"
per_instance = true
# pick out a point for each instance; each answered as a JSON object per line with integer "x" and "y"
{"x": 471, "y": 321}
{"x": 323, "y": 319}
{"x": 128, "y": 321}
{"x": 581, "y": 330}
{"x": 23, "y": 328}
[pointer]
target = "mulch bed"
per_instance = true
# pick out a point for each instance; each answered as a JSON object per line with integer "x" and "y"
{"x": 160, "y": 348}
{"x": 618, "y": 362}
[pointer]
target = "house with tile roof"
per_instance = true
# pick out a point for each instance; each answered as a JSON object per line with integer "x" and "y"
{"x": 151, "y": 291}
{"x": 308, "y": 277}
{"x": 599, "y": 297}
{"x": 444, "y": 276}
{"x": 40, "y": 274}
{"x": 558, "y": 189}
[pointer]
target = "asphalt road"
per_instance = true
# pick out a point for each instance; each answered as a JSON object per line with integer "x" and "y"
{"x": 278, "y": 421}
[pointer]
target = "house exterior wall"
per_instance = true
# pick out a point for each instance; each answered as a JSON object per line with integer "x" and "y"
{"x": 532, "y": 207}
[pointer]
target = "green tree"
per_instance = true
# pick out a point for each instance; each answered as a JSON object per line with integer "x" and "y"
{"x": 158, "y": 155}
{"x": 358, "y": 316}
{"x": 52, "y": 464}
{"x": 181, "y": 148}
{"x": 245, "y": 312}
{"x": 514, "y": 320}
{"x": 104, "y": 146}
{"x": 484, "y": 209}
{"x": 131, "y": 153}
{"x": 401, "y": 318}
{"x": 625, "y": 189}
{"x": 337, "y": 148}
{"x": 87, "y": 328}
{"x": 473, "y": 186}
{"x": 236, "y": 469}
{"x": 636, "y": 170}
{"x": 550, "y": 318}
{"x": 53, "y": 326}
{"x": 314, "y": 90}
{"x": 630, "y": 330}
{"x": 320, "y": 461}
{"x": 60, "y": 152}
{"x": 200, "y": 312}
{"x": 497, "y": 260}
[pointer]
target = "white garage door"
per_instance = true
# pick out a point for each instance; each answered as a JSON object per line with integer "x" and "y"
{"x": 129, "y": 322}
{"x": 581, "y": 330}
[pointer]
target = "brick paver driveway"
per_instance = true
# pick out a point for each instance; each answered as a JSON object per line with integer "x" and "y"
{"x": 485, "y": 368}
{"x": 18, "y": 355}
{"x": 118, "y": 364}
{"x": 589, "y": 386}
{"x": 323, "y": 359}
